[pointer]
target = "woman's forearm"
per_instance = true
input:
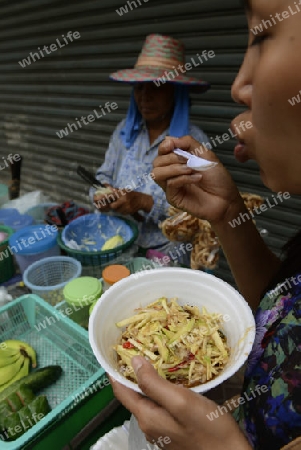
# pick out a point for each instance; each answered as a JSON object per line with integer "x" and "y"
{"x": 252, "y": 263}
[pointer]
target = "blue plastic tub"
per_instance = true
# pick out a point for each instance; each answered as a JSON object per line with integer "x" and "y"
{"x": 15, "y": 220}
{"x": 8, "y": 214}
{"x": 32, "y": 243}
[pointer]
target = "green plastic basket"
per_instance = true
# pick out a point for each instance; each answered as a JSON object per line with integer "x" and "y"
{"x": 57, "y": 341}
{"x": 100, "y": 258}
{"x": 7, "y": 266}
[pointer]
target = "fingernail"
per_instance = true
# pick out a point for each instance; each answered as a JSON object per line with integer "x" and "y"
{"x": 167, "y": 142}
{"x": 137, "y": 363}
{"x": 196, "y": 177}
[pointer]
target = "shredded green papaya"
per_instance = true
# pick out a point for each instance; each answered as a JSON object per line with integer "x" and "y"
{"x": 185, "y": 345}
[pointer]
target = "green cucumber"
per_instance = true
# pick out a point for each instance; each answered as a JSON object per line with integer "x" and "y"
{"x": 35, "y": 381}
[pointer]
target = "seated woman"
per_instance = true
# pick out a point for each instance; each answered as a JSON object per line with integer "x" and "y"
{"x": 270, "y": 419}
{"x": 154, "y": 113}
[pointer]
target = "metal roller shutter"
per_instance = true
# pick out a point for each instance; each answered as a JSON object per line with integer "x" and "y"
{"x": 42, "y": 98}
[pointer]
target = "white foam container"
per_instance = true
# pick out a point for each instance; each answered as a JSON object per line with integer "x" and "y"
{"x": 190, "y": 287}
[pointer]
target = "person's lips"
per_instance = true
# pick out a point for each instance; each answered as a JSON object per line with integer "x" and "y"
{"x": 240, "y": 150}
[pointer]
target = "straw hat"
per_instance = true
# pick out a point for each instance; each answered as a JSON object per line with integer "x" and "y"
{"x": 161, "y": 56}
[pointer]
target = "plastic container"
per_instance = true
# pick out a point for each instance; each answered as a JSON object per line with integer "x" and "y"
{"x": 87, "y": 228}
{"x": 90, "y": 232}
{"x": 139, "y": 264}
{"x": 4, "y": 197}
{"x": 114, "y": 273}
{"x": 57, "y": 341}
{"x": 33, "y": 243}
{"x": 8, "y": 214}
{"x": 190, "y": 287}
{"x": 17, "y": 221}
{"x": 80, "y": 294}
{"x": 48, "y": 277}
{"x": 12, "y": 218}
{"x": 7, "y": 267}
{"x": 92, "y": 307}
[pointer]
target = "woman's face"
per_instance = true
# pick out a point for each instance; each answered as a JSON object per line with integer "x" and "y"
{"x": 269, "y": 77}
{"x": 155, "y": 103}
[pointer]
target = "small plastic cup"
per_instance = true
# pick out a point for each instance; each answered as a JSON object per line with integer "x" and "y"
{"x": 80, "y": 294}
{"x": 114, "y": 273}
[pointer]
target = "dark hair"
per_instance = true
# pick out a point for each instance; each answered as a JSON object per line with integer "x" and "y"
{"x": 291, "y": 264}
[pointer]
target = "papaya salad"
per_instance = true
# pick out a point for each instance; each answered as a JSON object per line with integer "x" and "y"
{"x": 184, "y": 345}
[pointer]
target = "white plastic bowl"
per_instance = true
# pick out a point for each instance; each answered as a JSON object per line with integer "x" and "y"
{"x": 192, "y": 287}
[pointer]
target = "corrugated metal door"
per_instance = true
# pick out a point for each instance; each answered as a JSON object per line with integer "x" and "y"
{"x": 41, "y": 98}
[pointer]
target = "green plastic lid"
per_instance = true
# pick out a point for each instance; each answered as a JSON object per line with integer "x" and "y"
{"x": 83, "y": 290}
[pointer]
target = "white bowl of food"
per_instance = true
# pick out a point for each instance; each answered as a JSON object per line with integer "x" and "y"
{"x": 187, "y": 345}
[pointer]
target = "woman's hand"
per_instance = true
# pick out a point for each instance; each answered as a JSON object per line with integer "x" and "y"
{"x": 177, "y": 414}
{"x": 129, "y": 203}
{"x": 102, "y": 201}
{"x": 208, "y": 195}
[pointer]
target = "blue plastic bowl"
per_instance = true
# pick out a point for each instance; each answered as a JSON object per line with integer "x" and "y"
{"x": 91, "y": 231}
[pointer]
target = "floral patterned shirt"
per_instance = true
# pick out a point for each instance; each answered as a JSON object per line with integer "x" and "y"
{"x": 131, "y": 168}
{"x": 271, "y": 418}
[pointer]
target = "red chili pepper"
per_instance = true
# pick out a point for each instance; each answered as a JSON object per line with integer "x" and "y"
{"x": 127, "y": 345}
{"x": 191, "y": 357}
{"x": 173, "y": 369}
{"x": 178, "y": 366}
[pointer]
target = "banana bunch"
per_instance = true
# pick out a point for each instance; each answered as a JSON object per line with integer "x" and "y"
{"x": 113, "y": 242}
{"x": 16, "y": 357}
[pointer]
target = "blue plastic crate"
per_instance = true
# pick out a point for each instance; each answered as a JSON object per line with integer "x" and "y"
{"x": 57, "y": 341}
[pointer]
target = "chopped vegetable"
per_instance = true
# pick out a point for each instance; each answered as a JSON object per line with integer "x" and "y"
{"x": 127, "y": 345}
{"x": 184, "y": 345}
